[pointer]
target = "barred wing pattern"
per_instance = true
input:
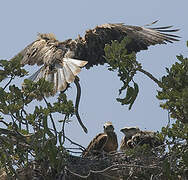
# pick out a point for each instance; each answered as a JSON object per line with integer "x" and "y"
{"x": 91, "y": 46}
{"x": 96, "y": 145}
{"x": 50, "y": 53}
{"x": 62, "y": 61}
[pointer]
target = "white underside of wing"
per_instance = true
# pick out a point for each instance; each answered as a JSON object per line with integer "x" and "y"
{"x": 61, "y": 74}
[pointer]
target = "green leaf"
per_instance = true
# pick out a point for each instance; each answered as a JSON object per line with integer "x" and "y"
{"x": 134, "y": 95}
{"x": 125, "y": 63}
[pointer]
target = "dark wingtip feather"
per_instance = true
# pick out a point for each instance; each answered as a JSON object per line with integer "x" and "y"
{"x": 163, "y": 27}
{"x": 169, "y": 30}
{"x": 164, "y": 30}
{"x": 151, "y": 23}
{"x": 172, "y": 35}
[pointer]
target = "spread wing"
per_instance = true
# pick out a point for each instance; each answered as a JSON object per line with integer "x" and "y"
{"x": 42, "y": 51}
{"x": 58, "y": 67}
{"x": 91, "y": 46}
{"x": 96, "y": 145}
{"x": 62, "y": 60}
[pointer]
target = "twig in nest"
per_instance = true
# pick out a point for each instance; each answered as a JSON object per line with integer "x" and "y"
{"x": 102, "y": 172}
{"x": 71, "y": 150}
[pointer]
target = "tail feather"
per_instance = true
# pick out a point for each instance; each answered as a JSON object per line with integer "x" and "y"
{"x": 61, "y": 83}
{"x": 74, "y": 68}
{"x": 63, "y": 73}
{"x": 69, "y": 76}
{"x": 33, "y": 77}
{"x": 77, "y": 62}
{"x": 49, "y": 77}
{"x": 55, "y": 81}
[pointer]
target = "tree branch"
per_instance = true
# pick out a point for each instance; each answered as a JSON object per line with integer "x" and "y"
{"x": 76, "y": 81}
{"x": 11, "y": 78}
{"x": 81, "y": 147}
{"x": 52, "y": 120}
{"x": 151, "y": 77}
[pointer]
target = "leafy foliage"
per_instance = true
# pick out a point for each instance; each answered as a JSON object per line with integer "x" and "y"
{"x": 12, "y": 68}
{"x": 176, "y": 158}
{"x": 27, "y": 135}
{"x": 32, "y": 140}
{"x": 175, "y": 90}
{"x": 125, "y": 63}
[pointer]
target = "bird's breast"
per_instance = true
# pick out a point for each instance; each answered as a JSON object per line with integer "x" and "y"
{"x": 111, "y": 144}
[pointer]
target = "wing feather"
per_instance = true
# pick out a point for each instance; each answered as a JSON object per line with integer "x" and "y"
{"x": 77, "y": 62}
{"x": 62, "y": 83}
{"x": 69, "y": 76}
{"x": 74, "y": 65}
{"x": 73, "y": 54}
{"x": 96, "y": 145}
{"x": 60, "y": 75}
{"x": 74, "y": 68}
{"x": 57, "y": 68}
{"x": 91, "y": 46}
{"x": 46, "y": 49}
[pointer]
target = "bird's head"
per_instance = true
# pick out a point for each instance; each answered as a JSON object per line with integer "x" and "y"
{"x": 130, "y": 131}
{"x": 108, "y": 127}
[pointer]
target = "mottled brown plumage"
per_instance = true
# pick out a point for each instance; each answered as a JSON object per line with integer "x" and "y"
{"x": 91, "y": 46}
{"x": 57, "y": 67}
{"x": 62, "y": 60}
{"x": 126, "y": 141}
{"x": 103, "y": 142}
{"x": 134, "y": 137}
{"x": 146, "y": 137}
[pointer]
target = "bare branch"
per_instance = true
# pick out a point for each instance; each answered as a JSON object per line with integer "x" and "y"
{"x": 151, "y": 77}
{"x": 52, "y": 120}
{"x": 11, "y": 78}
{"x": 76, "y": 81}
{"x": 82, "y": 148}
{"x": 63, "y": 129}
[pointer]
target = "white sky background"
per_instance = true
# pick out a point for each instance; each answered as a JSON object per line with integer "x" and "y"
{"x": 21, "y": 20}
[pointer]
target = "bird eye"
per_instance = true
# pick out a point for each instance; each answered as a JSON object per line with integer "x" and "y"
{"x": 111, "y": 126}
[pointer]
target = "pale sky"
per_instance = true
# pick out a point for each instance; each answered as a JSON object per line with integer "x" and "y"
{"x": 21, "y": 20}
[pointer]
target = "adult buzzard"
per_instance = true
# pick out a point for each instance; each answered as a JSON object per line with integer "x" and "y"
{"x": 62, "y": 60}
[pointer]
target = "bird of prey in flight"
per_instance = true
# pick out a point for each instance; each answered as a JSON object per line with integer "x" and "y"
{"x": 62, "y": 61}
{"x": 103, "y": 142}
